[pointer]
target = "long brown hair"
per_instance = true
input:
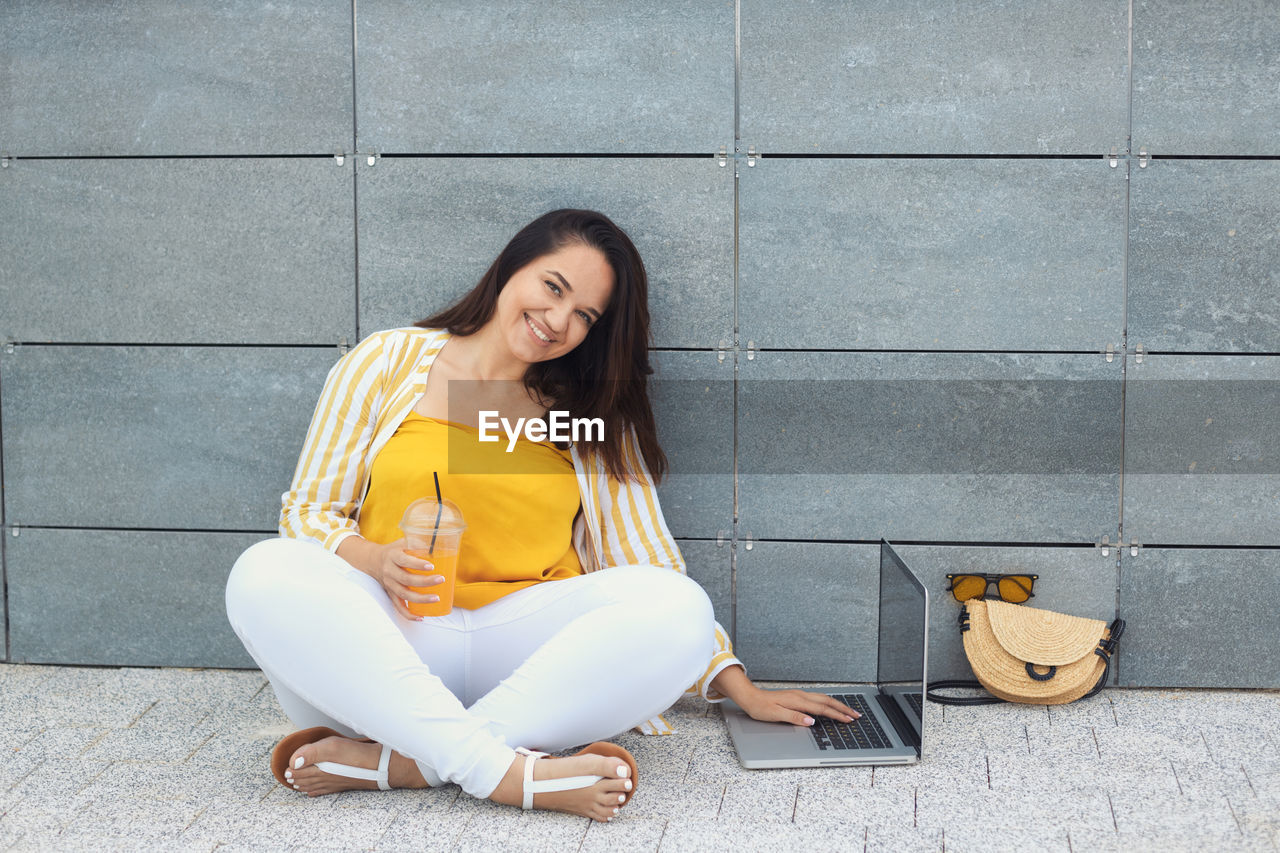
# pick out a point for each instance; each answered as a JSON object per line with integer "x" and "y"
{"x": 606, "y": 376}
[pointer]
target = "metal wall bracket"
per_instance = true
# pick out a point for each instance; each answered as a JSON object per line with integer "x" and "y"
{"x": 752, "y": 156}
{"x": 4, "y": 162}
{"x": 1104, "y": 545}
{"x": 721, "y": 536}
{"x": 722, "y": 159}
{"x": 1114, "y": 157}
{"x": 1143, "y": 158}
{"x": 372, "y": 158}
{"x": 751, "y": 350}
{"x": 722, "y": 350}
{"x": 1138, "y": 354}
{"x": 1134, "y": 548}
{"x": 10, "y": 346}
{"x": 339, "y": 158}
{"x": 1110, "y": 353}
{"x": 343, "y": 347}
{"x": 749, "y": 542}
{"x": 13, "y": 530}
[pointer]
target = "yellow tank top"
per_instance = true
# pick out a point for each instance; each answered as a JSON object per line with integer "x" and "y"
{"x": 519, "y": 506}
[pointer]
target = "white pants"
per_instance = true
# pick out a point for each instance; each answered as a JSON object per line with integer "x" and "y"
{"x": 554, "y": 665}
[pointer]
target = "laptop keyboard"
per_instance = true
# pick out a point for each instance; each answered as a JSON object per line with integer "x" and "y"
{"x": 914, "y": 699}
{"x": 863, "y": 733}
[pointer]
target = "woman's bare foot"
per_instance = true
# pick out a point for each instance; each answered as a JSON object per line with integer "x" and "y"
{"x": 600, "y": 801}
{"x": 402, "y": 772}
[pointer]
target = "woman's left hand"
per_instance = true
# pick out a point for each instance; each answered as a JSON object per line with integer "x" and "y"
{"x": 792, "y": 706}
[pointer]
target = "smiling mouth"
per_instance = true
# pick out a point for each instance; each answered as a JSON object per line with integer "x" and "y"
{"x": 536, "y": 331}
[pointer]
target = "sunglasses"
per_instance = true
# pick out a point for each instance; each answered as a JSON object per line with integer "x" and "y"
{"x": 1012, "y": 588}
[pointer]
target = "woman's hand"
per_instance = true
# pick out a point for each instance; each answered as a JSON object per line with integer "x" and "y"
{"x": 793, "y": 706}
{"x": 389, "y": 565}
{"x": 779, "y": 706}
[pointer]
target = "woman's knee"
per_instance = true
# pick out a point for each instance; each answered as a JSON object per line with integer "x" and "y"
{"x": 296, "y": 576}
{"x": 263, "y": 572}
{"x": 676, "y": 609}
{"x": 259, "y": 560}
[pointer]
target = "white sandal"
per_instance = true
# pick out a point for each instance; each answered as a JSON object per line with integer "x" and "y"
{"x": 545, "y": 786}
{"x": 286, "y": 748}
{"x": 379, "y": 775}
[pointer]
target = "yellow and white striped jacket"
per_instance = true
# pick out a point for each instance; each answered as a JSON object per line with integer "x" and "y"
{"x": 374, "y": 387}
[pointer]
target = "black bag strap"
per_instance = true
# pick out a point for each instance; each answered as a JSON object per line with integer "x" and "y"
{"x": 1105, "y": 649}
{"x": 959, "y": 683}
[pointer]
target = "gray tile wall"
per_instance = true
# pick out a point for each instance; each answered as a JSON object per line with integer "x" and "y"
{"x": 692, "y": 396}
{"x": 928, "y": 446}
{"x": 710, "y": 563}
{"x": 1205, "y": 82}
{"x": 136, "y": 598}
{"x": 923, "y": 77}
{"x": 1204, "y": 255}
{"x": 4, "y": 578}
{"x": 1202, "y": 459}
{"x": 1204, "y": 617}
{"x": 570, "y": 77}
{"x": 182, "y": 438}
{"x": 178, "y": 250}
{"x": 886, "y": 310}
{"x": 4, "y": 533}
{"x": 932, "y": 254}
{"x": 150, "y": 77}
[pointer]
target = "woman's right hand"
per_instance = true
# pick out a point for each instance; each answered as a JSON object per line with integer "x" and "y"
{"x": 390, "y": 566}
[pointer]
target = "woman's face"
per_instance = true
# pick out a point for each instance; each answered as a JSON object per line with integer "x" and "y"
{"x": 549, "y": 305}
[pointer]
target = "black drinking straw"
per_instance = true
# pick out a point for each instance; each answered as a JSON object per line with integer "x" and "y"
{"x": 439, "y": 509}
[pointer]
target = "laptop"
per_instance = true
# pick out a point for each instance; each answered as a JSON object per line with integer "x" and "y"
{"x": 891, "y": 728}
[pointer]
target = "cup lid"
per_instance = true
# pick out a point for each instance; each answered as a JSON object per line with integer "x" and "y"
{"x": 422, "y": 515}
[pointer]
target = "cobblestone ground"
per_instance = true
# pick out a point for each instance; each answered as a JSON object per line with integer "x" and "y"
{"x": 175, "y": 759}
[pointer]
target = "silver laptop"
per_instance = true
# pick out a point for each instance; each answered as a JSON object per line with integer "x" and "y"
{"x": 891, "y": 729}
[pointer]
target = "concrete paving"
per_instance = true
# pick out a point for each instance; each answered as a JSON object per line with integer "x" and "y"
{"x": 177, "y": 759}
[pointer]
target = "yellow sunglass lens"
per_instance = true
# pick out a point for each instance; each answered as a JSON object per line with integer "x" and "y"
{"x": 1015, "y": 588}
{"x": 965, "y": 587}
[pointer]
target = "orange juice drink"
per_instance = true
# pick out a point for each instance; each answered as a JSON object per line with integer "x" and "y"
{"x": 433, "y": 532}
{"x": 445, "y": 562}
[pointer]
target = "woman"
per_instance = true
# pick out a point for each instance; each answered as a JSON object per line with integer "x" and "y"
{"x": 542, "y": 649}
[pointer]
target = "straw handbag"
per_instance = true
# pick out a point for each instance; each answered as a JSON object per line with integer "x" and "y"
{"x": 1024, "y": 654}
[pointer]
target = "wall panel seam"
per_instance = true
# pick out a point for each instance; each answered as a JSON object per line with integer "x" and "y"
{"x": 112, "y": 529}
{"x": 737, "y": 135}
{"x": 355, "y": 248}
{"x": 355, "y": 177}
{"x": 171, "y": 345}
{"x": 355, "y": 107}
{"x": 1124, "y": 330}
{"x": 4, "y": 534}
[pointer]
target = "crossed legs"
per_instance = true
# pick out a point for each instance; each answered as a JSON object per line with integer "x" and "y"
{"x": 548, "y": 667}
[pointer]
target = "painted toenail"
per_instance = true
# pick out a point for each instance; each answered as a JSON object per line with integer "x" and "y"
{"x": 298, "y": 764}
{"x": 296, "y": 788}
{"x": 615, "y": 811}
{"x": 621, "y": 798}
{"x": 288, "y": 774}
{"x": 622, "y": 770}
{"x": 627, "y": 785}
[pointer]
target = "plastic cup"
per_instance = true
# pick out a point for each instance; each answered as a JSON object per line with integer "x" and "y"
{"x": 433, "y": 532}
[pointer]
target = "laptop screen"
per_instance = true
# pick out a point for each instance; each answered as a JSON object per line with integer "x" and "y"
{"x": 903, "y": 630}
